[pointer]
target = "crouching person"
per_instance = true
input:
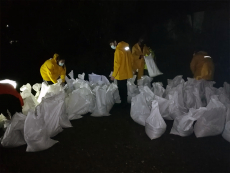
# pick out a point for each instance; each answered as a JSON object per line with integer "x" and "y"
{"x": 202, "y": 66}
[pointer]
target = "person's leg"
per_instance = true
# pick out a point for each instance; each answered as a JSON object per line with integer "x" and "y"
{"x": 122, "y": 88}
{"x": 146, "y": 73}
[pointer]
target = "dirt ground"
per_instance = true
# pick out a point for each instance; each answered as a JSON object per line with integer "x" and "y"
{"x": 118, "y": 144}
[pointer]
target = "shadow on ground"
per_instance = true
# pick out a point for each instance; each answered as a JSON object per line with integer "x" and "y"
{"x": 118, "y": 144}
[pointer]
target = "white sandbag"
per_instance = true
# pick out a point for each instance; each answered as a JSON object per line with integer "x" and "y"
{"x": 172, "y": 84}
{"x": 43, "y": 92}
{"x": 145, "y": 81}
{"x": 227, "y": 89}
{"x": 189, "y": 97}
{"x": 213, "y": 120}
{"x": 55, "y": 88}
{"x": 132, "y": 89}
{"x": 94, "y": 78}
{"x": 155, "y": 126}
{"x": 140, "y": 111}
{"x": 152, "y": 67}
{"x": 208, "y": 93}
{"x": 164, "y": 107}
{"x": 81, "y": 101}
{"x": 226, "y": 132}
{"x": 158, "y": 89}
{"x": 36, "y": 135}
{"x": 52, "y": 108}
{"x": 14, "y": 135}
{"x": 149, "y": 95}
{"x": 110, "y": 101}
{"x": 105, "y": 80}
{"x": 199, "y": 102}
{"x": 29, "y": 100}
{"x": 175, "y": 109}
{"x": 2, "y": 120}
{"x": 101, "y": 105}
{"x": 116, "y": 95}
{"x": 183, "y": 125}
{"x": 37, "y": 87}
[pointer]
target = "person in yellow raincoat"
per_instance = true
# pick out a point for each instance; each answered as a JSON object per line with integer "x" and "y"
{"x": 123, "y": 68}
{"x": 52, "y": 69}
{"x": 140, "y": 50}
{"x": 202, "y": 66}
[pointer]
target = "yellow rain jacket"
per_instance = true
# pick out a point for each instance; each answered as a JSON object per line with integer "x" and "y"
{"x": 51, "y": 71}
{"x": 123, "y": 62}
{"x": 202, "y": 67}
{"x": 139, "y": 63}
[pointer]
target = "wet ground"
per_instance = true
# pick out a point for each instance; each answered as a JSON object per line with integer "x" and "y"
{"x": 118, "y": 144}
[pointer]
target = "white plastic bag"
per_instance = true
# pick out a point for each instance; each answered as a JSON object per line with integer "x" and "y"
{"x": 155, "y": 126}
{"x": 55, "y": 88}
{"x": 182, "y": 125}
{"x": 36, "y": 135}
{"x": 110, "y": 96}
{"x": 37, "y": 88}
{"x": 163, "y": 107}
{"x": 227, "y": 89}
{"x": 52, "y": 108}
{"x": 29, "y": 100}
{"x": 132, "y": 89}
{"x": 213, "y": 120}
{"x": 14, "y": 135}
{"x": 43, "y": 92}
{"x": 2, "y": 120}
{"x": 81, "y": 101}
{"x": 140, "y": 111}
{"x": 175, "y": 109}
{"x": 158, "y": 89}
{"x": 189, "y": 97}
{"x": 101, "y": 105}
{"x": 94, "y": 78}
{"x": 145, "y": 81}
{"x": 226, "y": 132}
{"x": 149, "y": 95}
{"x": 152, "y": 67}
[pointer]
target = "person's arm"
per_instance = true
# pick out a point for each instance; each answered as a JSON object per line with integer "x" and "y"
{"x": 50, "y": 69}
{"x": 117, "y": 62}
{"x": 63, "y": 74}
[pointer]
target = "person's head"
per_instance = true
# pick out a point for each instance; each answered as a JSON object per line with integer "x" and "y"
{"x": 60, "y": 61}
{"x": 141, "y": 40}
{"x": 113, "y": 44}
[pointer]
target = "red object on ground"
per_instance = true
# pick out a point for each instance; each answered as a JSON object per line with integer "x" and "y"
{"x": 9, "y": 89}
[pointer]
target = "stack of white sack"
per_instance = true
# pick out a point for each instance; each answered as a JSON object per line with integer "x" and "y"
{"x": 46, "y": 121}
{"x": 14, "y": 134}
{"x": 106, "y": 93}
{"x": 185, "y": 103}
{"x": 30, "y": 102}
{"x": 145, "y": 111}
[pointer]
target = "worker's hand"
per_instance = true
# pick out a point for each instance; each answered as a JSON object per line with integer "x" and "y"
{"x": 141, "y": 56}
{"x": 112, "y": 78}
{"x": 63, "y": 84}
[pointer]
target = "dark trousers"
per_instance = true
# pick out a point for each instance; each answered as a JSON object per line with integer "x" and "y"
{"x": 11, "y": 103}
{"x": 146, "y": 73}
{"x": 122, "y": 87}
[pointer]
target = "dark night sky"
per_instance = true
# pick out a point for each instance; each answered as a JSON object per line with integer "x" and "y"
{"x": 80, "y": 31}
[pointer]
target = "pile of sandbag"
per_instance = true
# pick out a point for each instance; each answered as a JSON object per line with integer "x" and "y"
{"x": 187, "y": 103}
{"x": 39, "y": 122}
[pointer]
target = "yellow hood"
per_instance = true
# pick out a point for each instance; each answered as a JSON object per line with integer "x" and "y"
{"x": 122, "y": 45}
